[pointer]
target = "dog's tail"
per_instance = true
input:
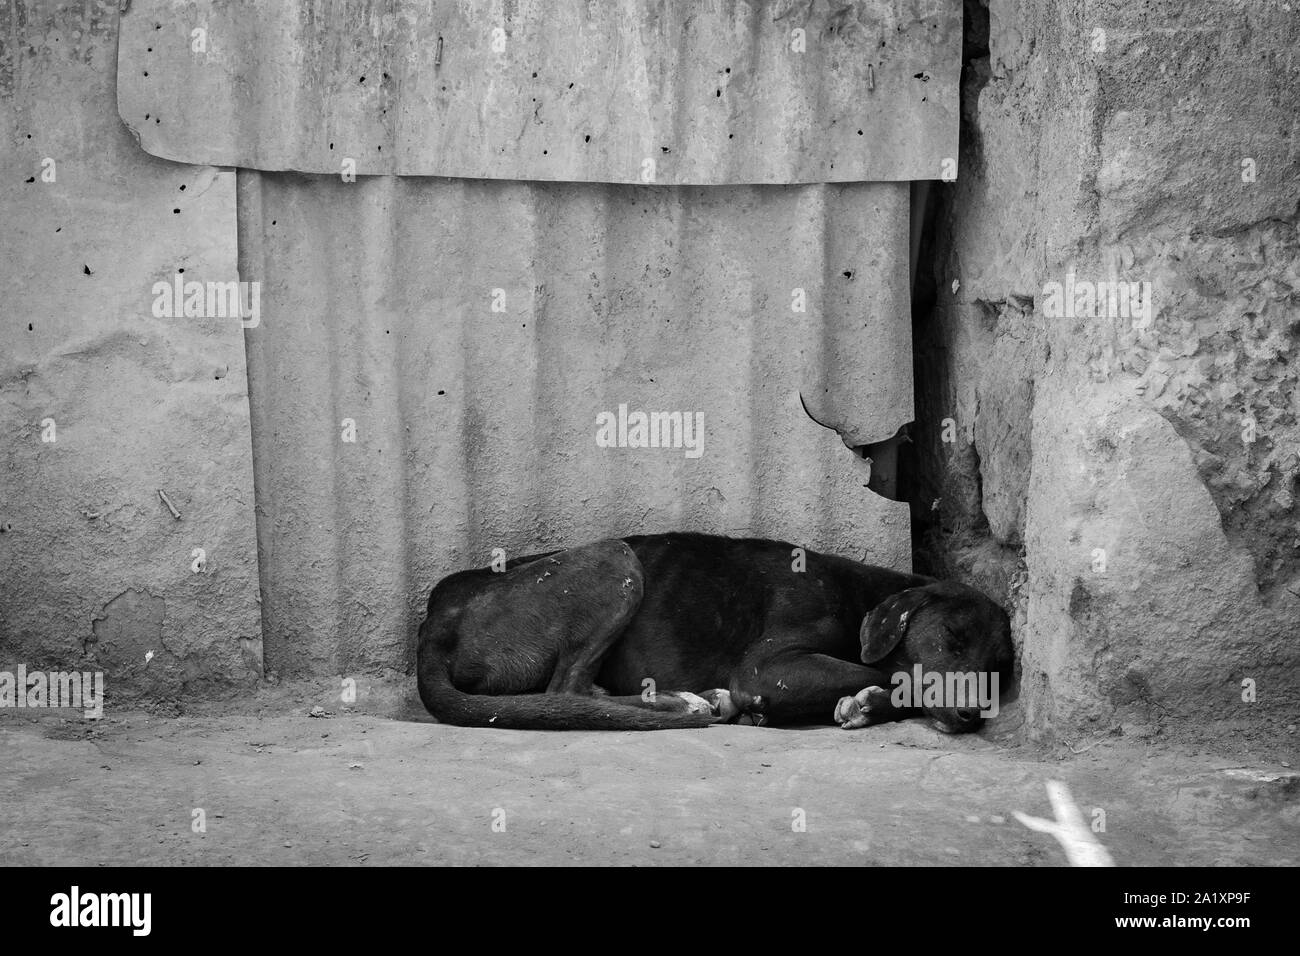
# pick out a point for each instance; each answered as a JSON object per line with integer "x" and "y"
{"x": 538, "y": 711}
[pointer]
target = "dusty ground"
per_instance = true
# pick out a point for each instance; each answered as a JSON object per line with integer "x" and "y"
{"x": 279, "y": 787}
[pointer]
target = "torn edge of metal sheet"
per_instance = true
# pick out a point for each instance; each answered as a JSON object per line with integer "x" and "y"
{"x": 881, "y": 457}
{"x": 654, "y": 92}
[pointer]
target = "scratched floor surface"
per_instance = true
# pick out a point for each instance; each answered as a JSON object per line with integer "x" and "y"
{"x": 363, "y": 789}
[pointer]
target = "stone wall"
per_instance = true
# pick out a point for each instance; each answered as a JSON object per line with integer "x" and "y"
{"x": 1126, "y": 481}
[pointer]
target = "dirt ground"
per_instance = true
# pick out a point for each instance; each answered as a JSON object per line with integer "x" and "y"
{"x": 277, "y": 786}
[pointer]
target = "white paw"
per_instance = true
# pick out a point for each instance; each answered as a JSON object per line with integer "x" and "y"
{"x": 694, "y": 703}
{"x": 849, "y": 712}
{"x": 722, "y": 704}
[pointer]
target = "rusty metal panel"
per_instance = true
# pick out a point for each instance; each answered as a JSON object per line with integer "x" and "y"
{"x": 674, "y": 92}
{"x": 102, "y": 402}
{"x": 468, "y": 335}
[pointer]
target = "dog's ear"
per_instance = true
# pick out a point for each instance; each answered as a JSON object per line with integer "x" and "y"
{"x": 885, "y": 626}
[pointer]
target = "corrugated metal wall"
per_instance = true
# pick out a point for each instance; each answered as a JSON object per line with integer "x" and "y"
{"x": 467, "y": 334}
{"x": 477, "y": 429}
{"x": 709, "y": 91}
{"x": 434, "y": 353}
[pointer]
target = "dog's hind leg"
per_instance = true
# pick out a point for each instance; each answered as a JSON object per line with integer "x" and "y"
{"x": 491, "y": 642}
{"x": 596, "y": 615}
{"x": 539, "y": 626}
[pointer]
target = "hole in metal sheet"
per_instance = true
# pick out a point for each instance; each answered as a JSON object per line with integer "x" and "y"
{"x": 883, "y": 457}
{"x": 888, "y": 467}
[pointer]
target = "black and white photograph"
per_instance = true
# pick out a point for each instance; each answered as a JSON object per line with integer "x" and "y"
{"x": 650, "y": 433}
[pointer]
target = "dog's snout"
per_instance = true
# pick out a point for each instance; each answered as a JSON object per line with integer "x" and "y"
{"x": 967, "y": 713}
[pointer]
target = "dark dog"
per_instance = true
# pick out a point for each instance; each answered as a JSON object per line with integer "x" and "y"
{"x": 775, "y": 631}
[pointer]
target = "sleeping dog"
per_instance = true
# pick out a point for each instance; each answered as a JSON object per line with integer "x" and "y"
{"x": 611, "y": 635}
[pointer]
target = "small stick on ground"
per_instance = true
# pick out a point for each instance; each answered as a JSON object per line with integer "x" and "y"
{"x": 168, "y": 502}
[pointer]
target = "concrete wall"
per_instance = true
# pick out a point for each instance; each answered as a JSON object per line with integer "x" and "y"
{"x": 1105, "y": 474}
{"x": 102, "y": 401}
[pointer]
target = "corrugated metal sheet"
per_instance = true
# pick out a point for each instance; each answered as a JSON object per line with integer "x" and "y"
{"x": 476, "y": 428}
{"x": 711, "y": 92}
{"x": 94, "y": 570}
{"x": 471, "y": 331}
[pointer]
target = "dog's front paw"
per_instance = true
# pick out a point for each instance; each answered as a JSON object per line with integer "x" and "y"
{"x": 856, "y": 711}
{"x": 849, "y": 715}
{"x": 720, "y": 704}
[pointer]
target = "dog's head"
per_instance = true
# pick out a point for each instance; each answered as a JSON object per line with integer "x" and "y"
{"x": 961, "y": 641}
